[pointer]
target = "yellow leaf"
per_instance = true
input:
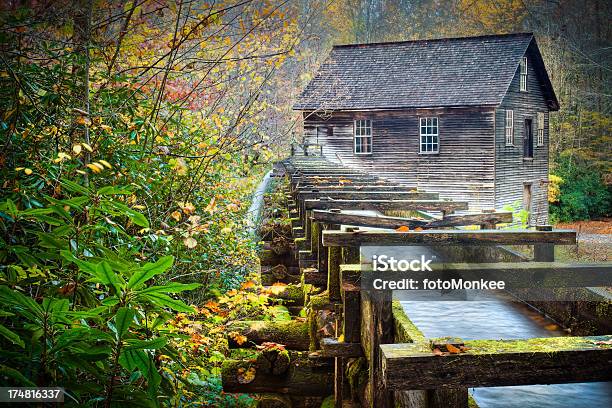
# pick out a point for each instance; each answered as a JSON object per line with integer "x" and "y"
{"x": 187, "y": 208}
{"x": 211, "y": 206}
{"x": 27, "y": 171}
{"x": 87, "y": 147}
{"x": 105, "y": 163}
{"x": 19, "y": 168}
{"x": 93, "y": 168}
{"x": 176, "y": 215}
{"x": 98, "y": 165}
{"x": 77, "y": 149}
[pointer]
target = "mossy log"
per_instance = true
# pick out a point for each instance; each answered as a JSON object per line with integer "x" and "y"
{"x": 290, "y": 295}
{"x": 304, "y": 377}
{"x": 291, "y": 333}
{"x": 273, "y": 361}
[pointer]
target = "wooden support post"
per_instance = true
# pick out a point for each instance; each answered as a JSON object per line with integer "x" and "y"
{"x": 376, "y": 329}
{"x": 314, "y": 238}
{"x": 338, "y": 381}
{"x": 323, "y": 252}
{"x": 544, "y": 252}
{"x": 447, "y": 398}
{"x": 333, "y": 272}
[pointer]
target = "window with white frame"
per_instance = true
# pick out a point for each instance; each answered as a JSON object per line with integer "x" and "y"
{"x": 524, "y": 75}
{"x": 540, "y": 128}
{"x": 509, "y": 127}
{"x": 429, "y": 138}
{"x": 363, "y": 136}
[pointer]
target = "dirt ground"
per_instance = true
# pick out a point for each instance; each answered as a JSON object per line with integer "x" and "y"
{"x": 594, "y": 242}
{"x": 589, "y": 227}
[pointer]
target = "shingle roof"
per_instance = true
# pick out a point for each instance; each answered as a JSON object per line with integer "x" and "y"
{"x": 464, "y": 71}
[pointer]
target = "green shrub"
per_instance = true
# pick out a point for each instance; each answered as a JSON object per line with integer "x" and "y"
{"x": 583, "y": 193}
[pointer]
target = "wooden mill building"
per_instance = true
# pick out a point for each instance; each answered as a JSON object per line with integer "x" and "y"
{"x": 464, "y": 117}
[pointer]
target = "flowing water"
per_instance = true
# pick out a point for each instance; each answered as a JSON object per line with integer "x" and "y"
{"x": 500, "y": 318}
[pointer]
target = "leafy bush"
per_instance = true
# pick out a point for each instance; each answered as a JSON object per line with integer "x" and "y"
{"x": 583, "y": 195}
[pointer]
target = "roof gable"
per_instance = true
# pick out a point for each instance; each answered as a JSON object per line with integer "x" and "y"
{"x": 469, "y": 71}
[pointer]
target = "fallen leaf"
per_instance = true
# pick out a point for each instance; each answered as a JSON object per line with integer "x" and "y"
{"x": 452, "y": 349}
{"x": 190, "y": 242}
{"x": 246, "y": 376}
{"x": 176, "y": 215}
{"x": 403, "y": 228}
{"x": 437, "y": 352}
{"x": 418, "y": 229}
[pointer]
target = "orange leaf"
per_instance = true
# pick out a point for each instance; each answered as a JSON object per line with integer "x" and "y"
{"x": 238, "y": 338}
{"x": 418, "y": 229}
{"x": 403, "y": 228}
{"x": 247, "y": 285}
{"x": 437, "y": 352}
{"x": 452, "y": 349}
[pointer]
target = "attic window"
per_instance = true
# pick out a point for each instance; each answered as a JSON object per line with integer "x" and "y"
{"x": 509, "y": 127}
{"x": 363, "y": 136}
{"x": 523, "y": 87}
{"x": 429, "y": 135}
{"x": 540, "y": 128}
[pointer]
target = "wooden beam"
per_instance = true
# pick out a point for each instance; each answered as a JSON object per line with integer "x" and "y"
{"x": 383, "y": 205}
{"x": 492, "y": 363}
{"x": 367, "y": 195}
{"x": 331, "y": 347}
{"x": 351, "y": 187}
{"x": 449, "y": 237}
{"x": 396, "y": 222}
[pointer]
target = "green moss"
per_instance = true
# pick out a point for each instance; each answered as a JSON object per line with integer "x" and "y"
{"x": 328, "y": 402}
{"x": 318, "y": 301}
{"x": 472, "y": 402}
{"x": 536, "y": 345}
{"x": 312, "y": 330}
{"x": 357, "y": 373}
{"x": 406, "y": 331}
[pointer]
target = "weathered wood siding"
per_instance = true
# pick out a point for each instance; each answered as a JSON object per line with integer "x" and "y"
{"x": 463, "y": 169}
{"x": 512, "y": 171}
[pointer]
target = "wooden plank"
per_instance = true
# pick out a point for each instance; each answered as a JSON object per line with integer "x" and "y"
{"x": 331, "y": 347}
{"x": 376, "y": 330}
{"x": 351, "y": 313}
{"x": 396, "y": 222}
{"x": 492, "y": 363}
{"x": 367, "y": 195}
{"x": 383, "y": 205}
{"x": 351, "y": 187}
{"x": 449, "y": 237}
